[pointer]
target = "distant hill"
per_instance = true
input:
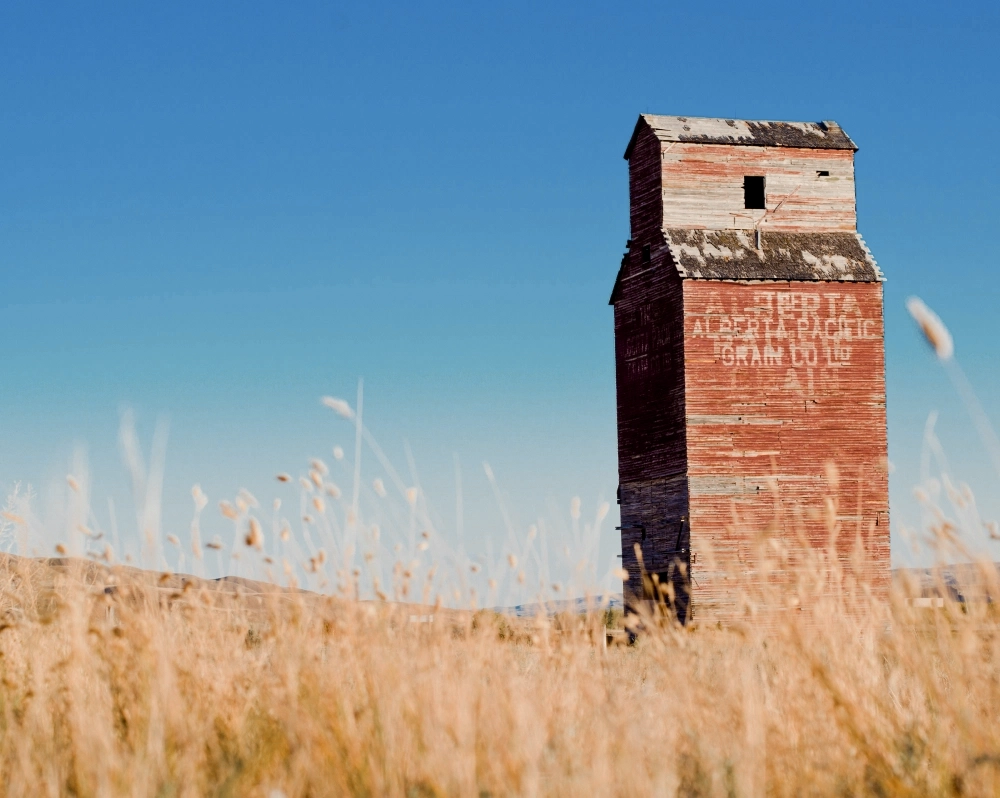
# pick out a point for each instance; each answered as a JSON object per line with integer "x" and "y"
{"x": 958, "y": 581}
{"x": 578, "y": 605}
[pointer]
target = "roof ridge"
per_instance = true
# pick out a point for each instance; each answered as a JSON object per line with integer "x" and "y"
{"x": 827, "y": 135}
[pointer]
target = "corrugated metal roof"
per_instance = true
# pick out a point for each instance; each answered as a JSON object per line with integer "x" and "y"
{"x": 700, "y": 130}
{"x": 734, "y": 255}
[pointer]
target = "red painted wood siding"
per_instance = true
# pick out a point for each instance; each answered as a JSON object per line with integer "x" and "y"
{"x": 645, "y": 201}
{"x": 781, "y": 379}
{"x": 702, "y": 188}
{"x": 649, "y": 360}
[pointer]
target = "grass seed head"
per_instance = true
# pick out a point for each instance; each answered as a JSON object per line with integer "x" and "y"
{"x": 932, "y": 327}
{"x": 248, "y": 498}
{"x": 339, "y": 406}
{"x": 832, "y": 475}
{"x": 200, "y": 499}
{"x": 254, "y": 537}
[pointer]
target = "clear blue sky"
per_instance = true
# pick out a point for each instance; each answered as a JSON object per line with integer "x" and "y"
{"x": 218, "y": 213}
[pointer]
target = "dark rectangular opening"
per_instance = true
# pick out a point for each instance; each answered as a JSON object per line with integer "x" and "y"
{"x": 645, "y": 253}
{"x": 753, "y": 191}
{"x": 822, "y": 173}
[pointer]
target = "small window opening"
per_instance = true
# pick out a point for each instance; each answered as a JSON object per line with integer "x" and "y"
{"x": 645, "y": 253}
{"x": 822, "y": 173}
{"x": 753, "y": 192}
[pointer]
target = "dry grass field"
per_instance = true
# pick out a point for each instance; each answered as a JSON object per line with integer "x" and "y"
{"x": 118, "y": 681}
{"x": 115, "y": 681}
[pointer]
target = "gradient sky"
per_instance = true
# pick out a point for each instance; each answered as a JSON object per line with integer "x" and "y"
{"x": 216, "y": 213}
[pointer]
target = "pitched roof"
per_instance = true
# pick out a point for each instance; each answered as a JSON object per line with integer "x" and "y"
{"x": 699, "y": 130}
{"x": 734, "y": 255}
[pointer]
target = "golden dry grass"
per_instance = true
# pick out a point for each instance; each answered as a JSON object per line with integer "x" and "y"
{"x": 115, "y": 681}
{"x": 156, "y": 689}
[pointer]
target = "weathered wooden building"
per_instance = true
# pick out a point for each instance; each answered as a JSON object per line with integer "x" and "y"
{"x": 749, "y": 354}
